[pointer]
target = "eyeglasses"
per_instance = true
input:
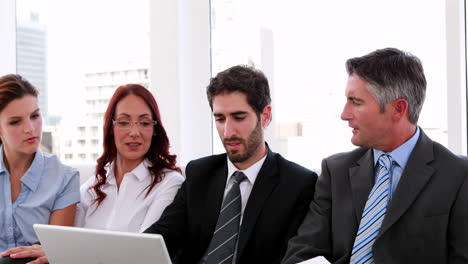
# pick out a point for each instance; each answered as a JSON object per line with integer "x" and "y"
{"x": 126, "y": 125}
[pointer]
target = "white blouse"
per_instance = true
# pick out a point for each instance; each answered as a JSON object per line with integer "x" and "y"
{"x": 127, "y": 209}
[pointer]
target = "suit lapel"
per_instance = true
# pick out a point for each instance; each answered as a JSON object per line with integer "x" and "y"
{"x": 267, "y": 179}
{"x": 213, "y": 198}
{"x": 361, "y": 177}
{"x": 415, "y": 176}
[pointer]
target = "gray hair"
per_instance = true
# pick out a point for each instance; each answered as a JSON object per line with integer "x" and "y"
{"x": 392, "y": 74}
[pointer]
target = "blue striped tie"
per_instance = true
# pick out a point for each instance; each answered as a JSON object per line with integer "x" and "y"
{"x": 373, "y": 214}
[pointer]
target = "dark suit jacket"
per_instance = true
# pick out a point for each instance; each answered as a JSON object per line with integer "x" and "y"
{"x": 276, "y": 207}
{"x": 426, "y": 222}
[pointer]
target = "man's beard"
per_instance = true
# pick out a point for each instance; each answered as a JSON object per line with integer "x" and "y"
{"x": 253, "y": 142}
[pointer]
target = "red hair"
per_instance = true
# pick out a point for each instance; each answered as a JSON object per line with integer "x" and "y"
{"x": 158, "y": 153}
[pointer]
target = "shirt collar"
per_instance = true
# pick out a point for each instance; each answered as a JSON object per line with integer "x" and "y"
{"x": 33, "y": 175}
{"x": 401, "y": 154}
{"x": 140, "y": 172}
{"x": 251, "y": 172}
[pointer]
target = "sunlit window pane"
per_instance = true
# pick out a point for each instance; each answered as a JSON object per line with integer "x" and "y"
{"x": 77, "y": 53}
{"x": 302, "y": 46}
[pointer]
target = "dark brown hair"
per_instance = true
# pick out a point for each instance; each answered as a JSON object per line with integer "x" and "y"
{"x": 158, "y": 153}
{"x": 12, "y": 87}
{"x": 244, "y": 79}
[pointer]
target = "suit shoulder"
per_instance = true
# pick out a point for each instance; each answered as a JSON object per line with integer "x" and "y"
{"x": 206, "y": 162}
{"x": 293, "y": 168}
{"x": 346, "y": 157}
{"x": 442, "y": 153}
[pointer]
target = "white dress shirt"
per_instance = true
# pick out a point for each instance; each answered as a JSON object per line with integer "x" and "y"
{"x": 246, "y": 185}
{"x": 127, "y": 208}
{"x": 245, "y": 189}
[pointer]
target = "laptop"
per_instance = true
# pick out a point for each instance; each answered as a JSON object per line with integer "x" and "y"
{"x": 75, "y": 245}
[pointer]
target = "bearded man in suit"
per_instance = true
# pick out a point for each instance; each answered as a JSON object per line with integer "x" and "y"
{"x": 272, "y": 193}
{"x": 400, "y": 197}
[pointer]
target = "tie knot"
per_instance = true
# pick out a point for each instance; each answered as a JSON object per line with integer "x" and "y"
{"x": 385, "y": 161}
{"x": 238, "y": 177}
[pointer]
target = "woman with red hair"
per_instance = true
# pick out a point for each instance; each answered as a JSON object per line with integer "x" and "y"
{"x": 136, "y": 176}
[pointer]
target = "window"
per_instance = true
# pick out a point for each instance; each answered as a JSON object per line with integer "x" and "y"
{"x": 94, "y": 142}
{"x": 185, "y": 50}
{"x": 303, "y": 55}
{"x": 81, "y": 142}
{"x": 94, "y": 156}
{"x": 77, "y": 63}
{"x": 81, "y": 131}
{"x": 94, "y": 131}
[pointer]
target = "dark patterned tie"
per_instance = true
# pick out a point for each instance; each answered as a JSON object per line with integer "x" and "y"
{"x": 373, "y": 214}
{"x": 223, "y": 243}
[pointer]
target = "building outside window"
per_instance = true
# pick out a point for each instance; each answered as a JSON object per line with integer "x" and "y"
{"x": 78, "y": 63}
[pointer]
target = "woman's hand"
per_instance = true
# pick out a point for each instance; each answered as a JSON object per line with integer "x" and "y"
{"x": 34, "y": 251}
{"x": 58, "y": 217}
